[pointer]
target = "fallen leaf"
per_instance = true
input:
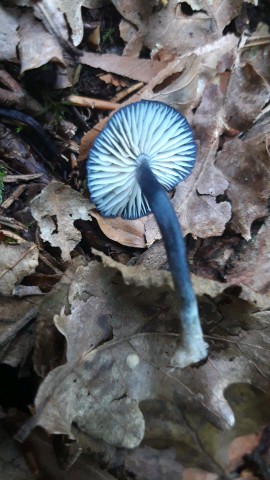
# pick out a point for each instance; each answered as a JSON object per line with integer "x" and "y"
{"x": 173, "y": 29}
{"x": 251, "y": 265}
{"x": 146, "y": 463}
{"x": 142, "y": 70}
{"x": 17, "y": 261}
{"x": 245, "y": 164}
{"x": 12, "y": 463}
{"x": 48, "y": 350}
{"x": 247, "y": 94}
{"x": 119, "y": 355}
{"x": 30, "y": 28}
{"x": 9, "y": 20}
{"x": 72, "y": 10}
{"x": 129, "y": 233}
{"x": 16, "y": 341}
{"x": 240, "y": 447}
{"x": 55, "y": 210}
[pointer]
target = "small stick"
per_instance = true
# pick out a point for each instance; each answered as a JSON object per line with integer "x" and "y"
{"x": 91, "y": 102}
{"x": 15, "y": 236}
{"x": 13, "y": 197}
{"x": 18, "y": 178}
{"x": 127, "y": 91}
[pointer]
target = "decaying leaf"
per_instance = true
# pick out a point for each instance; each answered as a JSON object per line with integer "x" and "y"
{"x": 44, "y": 42}
{"x": 245, "y": 164}
{"x": 15, "y": 341}
{"x": 17, "y": 261}
{"x": 48, "y": 352}
{"x": 55, "y": 210}
{"x": 129, "y": 233}
{"x": 142, "y": 70}
{"x": 9, "y": 19}
{"x": 251, "y": 266}
{"x": 119, "y": 345}
{"x": 247, "y": 94}
{"x": 72, "y": 11}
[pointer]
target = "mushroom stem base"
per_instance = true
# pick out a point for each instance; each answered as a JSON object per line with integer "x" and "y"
{"x": 194, "y": 348}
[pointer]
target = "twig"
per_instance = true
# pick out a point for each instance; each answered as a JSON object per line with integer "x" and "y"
{"x": 127, "y": 91}
{"x": 91, "y": 102}
{"x": 15, "y": 236}
{"x": 16, "y": 194}
{"x": 19, "y": 178}
{"x": 11, "y": 223}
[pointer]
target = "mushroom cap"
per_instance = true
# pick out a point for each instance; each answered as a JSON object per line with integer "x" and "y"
{"x": 145, "y": 130}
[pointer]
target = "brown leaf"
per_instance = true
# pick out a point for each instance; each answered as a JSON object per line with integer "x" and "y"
{"x": 251, "y": 265}
{"x": 9, "y": 19}
{"x": 15, "y": 340}
{"x": 245, "y": 164}
{"x": 129, "y": 233}
{"x": 239, "y": 447}
{"x": 30, "y": 28}
{"x": 246, "y": 95}
{"x": 142, "y": 70}
{"x": 16, "y": 262}
{"x": 175, "y": 30}
{"x": 49, "y": 351}
{"x": 106, "y": 378}
{"x": 55, "y": 210}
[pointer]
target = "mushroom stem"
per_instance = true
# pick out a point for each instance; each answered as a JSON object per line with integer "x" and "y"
{"x": 193, "y": 348}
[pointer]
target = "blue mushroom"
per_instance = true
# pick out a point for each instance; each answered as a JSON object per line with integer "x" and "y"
{"x": 146, "y": 149}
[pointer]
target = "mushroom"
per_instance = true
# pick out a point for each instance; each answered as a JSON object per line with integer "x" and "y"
{"x": 146, "y": 149}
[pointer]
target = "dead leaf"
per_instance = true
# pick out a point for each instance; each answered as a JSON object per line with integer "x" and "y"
{"x": 145, "y": 275}
{"x": 49, "y": 351}
{"x": 72, "y": 10}
{"x": 17, "y": 261}
{"x": 146, "y": 463}
{"x": 173, "y": 29}
{"x": 142, "y": 70}
{"x": 55, "y": 210}
{"x": 251, "y": 265}
{"x": 16, "y": 338}
{"x": 240, "y": 447}
{"x": 247, "y": 94}
{"x": 108, "y": 375}
{"x": 12, "y": 463}
{"x": 129, "y": 233}
{"x": 197, "y": 474}
{"x": 245, "y": 164}
{"x": 30, "y": 28}
{"x": 9, "y": 19}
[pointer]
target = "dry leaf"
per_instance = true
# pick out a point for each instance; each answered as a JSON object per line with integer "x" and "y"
{"x": 245, "y": 164}
{"x": 251, "y": 265}
{"x": 72, "y": 10}
{"x": 172, "y": 29}
{"x": 120, "y": 342}
{"x": 17, "y": 261}
{"x": 9, "y": 19}
{"x": 12, "y": 463}
{"x": 142, "y": 70}
{"x": 55, "y": 210}
{"x": 34, "y": 39}
{"x": 129, "y": 233}
{"x": 48, "y": 352}
{"x": 247, "y": 94}
{"x": 15, "y": 340}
